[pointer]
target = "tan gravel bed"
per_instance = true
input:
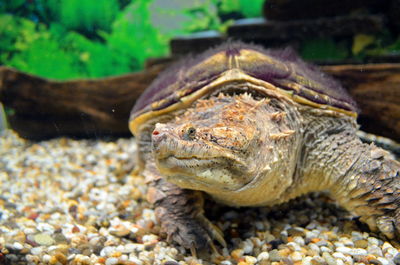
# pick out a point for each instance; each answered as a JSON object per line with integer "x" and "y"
{"x": 76, "y": 202}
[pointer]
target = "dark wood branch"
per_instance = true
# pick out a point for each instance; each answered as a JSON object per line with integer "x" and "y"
{"x": 376, "y": 89}
{"x": 45, "y": 108}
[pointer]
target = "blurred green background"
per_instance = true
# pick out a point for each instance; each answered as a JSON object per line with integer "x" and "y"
{"x": 69, "y": 39}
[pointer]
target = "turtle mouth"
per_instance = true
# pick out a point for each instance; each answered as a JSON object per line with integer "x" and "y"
{"x": 200, "y": 166}
{"x": 202, "y": 173}
{"x": 194, "y": 162}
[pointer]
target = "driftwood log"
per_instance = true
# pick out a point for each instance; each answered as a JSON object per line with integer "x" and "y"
{"x": 376, "y": 89}
{"x": 38, "y": 108}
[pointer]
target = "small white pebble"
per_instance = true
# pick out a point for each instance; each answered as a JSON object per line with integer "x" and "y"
{"x": 120, "y": 248}
{"x": 357, "y": 252}
{"x": 112, "y": 261}
{"x": 37, "y": 251}
{"x": 347, "y": 242}
{"x": 131, "y": 247}
{"x": 149, "y": 238}
{"x": 263, "y": 256}
{"x": 18, "y": 246}
{"x": 391, "y": 251}
{"x": 356, "y": 235}
{"x": 339, "y": 262}
{"x": 338, "y": 244}
{"x": 29, "y": 231}
{"x": 296, "y": 256}
{"x": 299, "y": 240}
{"x": 385, "y": 246}
{"x": 344, "y": 250}
{"x": 294, "y": 246}
{"x": 373, "y": 241}
{"x": 45, "y": 227}
{"x": 383, "y": 261}
{"x": 314, "y": 248}
{"x": 107, "y": 251}
{"x": 375, "y": 250}
{"x": 32, "y": 259}
{"x": 339, "y": 255}
{"x": 306, "y": 261}
{"x": 46, "y": 258}
{"x": 248, "y": 247}
{"x": 250, "y": 260}
{"x": 135, "y": 260}
{"x": 325, "y": 249}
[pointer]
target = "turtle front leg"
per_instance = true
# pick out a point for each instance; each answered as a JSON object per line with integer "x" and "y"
{"x": 363, "y": 178}
{"x": 371, "y": 189}
{"x": 181, "y": 215}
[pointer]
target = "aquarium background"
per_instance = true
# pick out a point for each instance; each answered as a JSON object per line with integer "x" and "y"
{"x": 69, "y": 39}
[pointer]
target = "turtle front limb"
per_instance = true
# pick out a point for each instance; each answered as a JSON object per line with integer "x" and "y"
{"x": 181, "y": 215}
{"x": 363, "y": 178}
{"x": 371, "y": 189}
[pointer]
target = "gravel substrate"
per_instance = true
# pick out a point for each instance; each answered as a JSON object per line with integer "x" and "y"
{"x": 76, "y": 202}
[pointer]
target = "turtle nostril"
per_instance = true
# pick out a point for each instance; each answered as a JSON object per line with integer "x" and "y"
{"x": 158, "y": 137}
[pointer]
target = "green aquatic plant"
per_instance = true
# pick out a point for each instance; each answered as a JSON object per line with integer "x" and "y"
{"x": 65, "y": 39}
{"x": 87, "y": 16}
{"x": 322, "y": 49}
{"x": 134, "y": 35}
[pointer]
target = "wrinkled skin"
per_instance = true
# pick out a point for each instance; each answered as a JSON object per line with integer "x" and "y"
{"x": 249, "y": 151}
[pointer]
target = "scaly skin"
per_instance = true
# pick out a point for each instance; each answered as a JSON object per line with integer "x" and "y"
{"x": 246, "y": 151}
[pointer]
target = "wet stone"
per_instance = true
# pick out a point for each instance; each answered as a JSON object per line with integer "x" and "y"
{"x": 396, "y": 259}
{"x": 296, "y": 232}
{"x": 361, "y": 243}
{"x": 328, "y": 258}
{"x": 274, "y": 255}
{"x": 43, "y": 239}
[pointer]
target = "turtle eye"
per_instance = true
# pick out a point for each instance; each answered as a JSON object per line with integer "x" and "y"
{"x": 190, "y": 133}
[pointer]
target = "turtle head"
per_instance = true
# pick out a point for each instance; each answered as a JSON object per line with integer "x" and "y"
{"x": 223, "y": 143}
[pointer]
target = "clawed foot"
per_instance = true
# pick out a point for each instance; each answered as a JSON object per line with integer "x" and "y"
{"x": 387, "y": 225}
{"x": 196, "y": 233}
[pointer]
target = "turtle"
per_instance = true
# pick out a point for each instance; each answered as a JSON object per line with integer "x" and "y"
{"x": 250, "y": 127}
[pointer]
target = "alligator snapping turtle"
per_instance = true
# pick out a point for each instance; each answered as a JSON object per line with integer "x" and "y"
{"x": 255, "y": 127}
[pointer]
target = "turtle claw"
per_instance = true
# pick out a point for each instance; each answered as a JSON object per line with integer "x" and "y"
{"x": 386, "y": 225}
{"x": 213, "y": 231}
{"x": 193, "y": 234}
{"x": 181, "y": 215}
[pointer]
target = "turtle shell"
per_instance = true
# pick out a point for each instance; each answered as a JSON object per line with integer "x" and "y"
{"x": 281, "y": 70}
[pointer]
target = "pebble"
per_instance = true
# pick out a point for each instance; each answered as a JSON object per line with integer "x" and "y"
{"x": 361, "y": 243}
{"x": 43, "y": 239}
{"x": 250, "y": 260}
{"x": 296, "y": 256}
{"x": 112, "y": 261}
{"x": 274, "y": 255}
{"x": 383, "y": 261}
{"x": 328, "y": 258}
{"x": 263, "y": 256}
{"x": 90, "y": 211}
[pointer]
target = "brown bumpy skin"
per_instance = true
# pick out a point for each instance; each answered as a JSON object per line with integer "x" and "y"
{"x": 249, "y": 151}
{"x": 371, "y": 189}
{"x": 363, "y": 178}
{"x": 252, "y": 127}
